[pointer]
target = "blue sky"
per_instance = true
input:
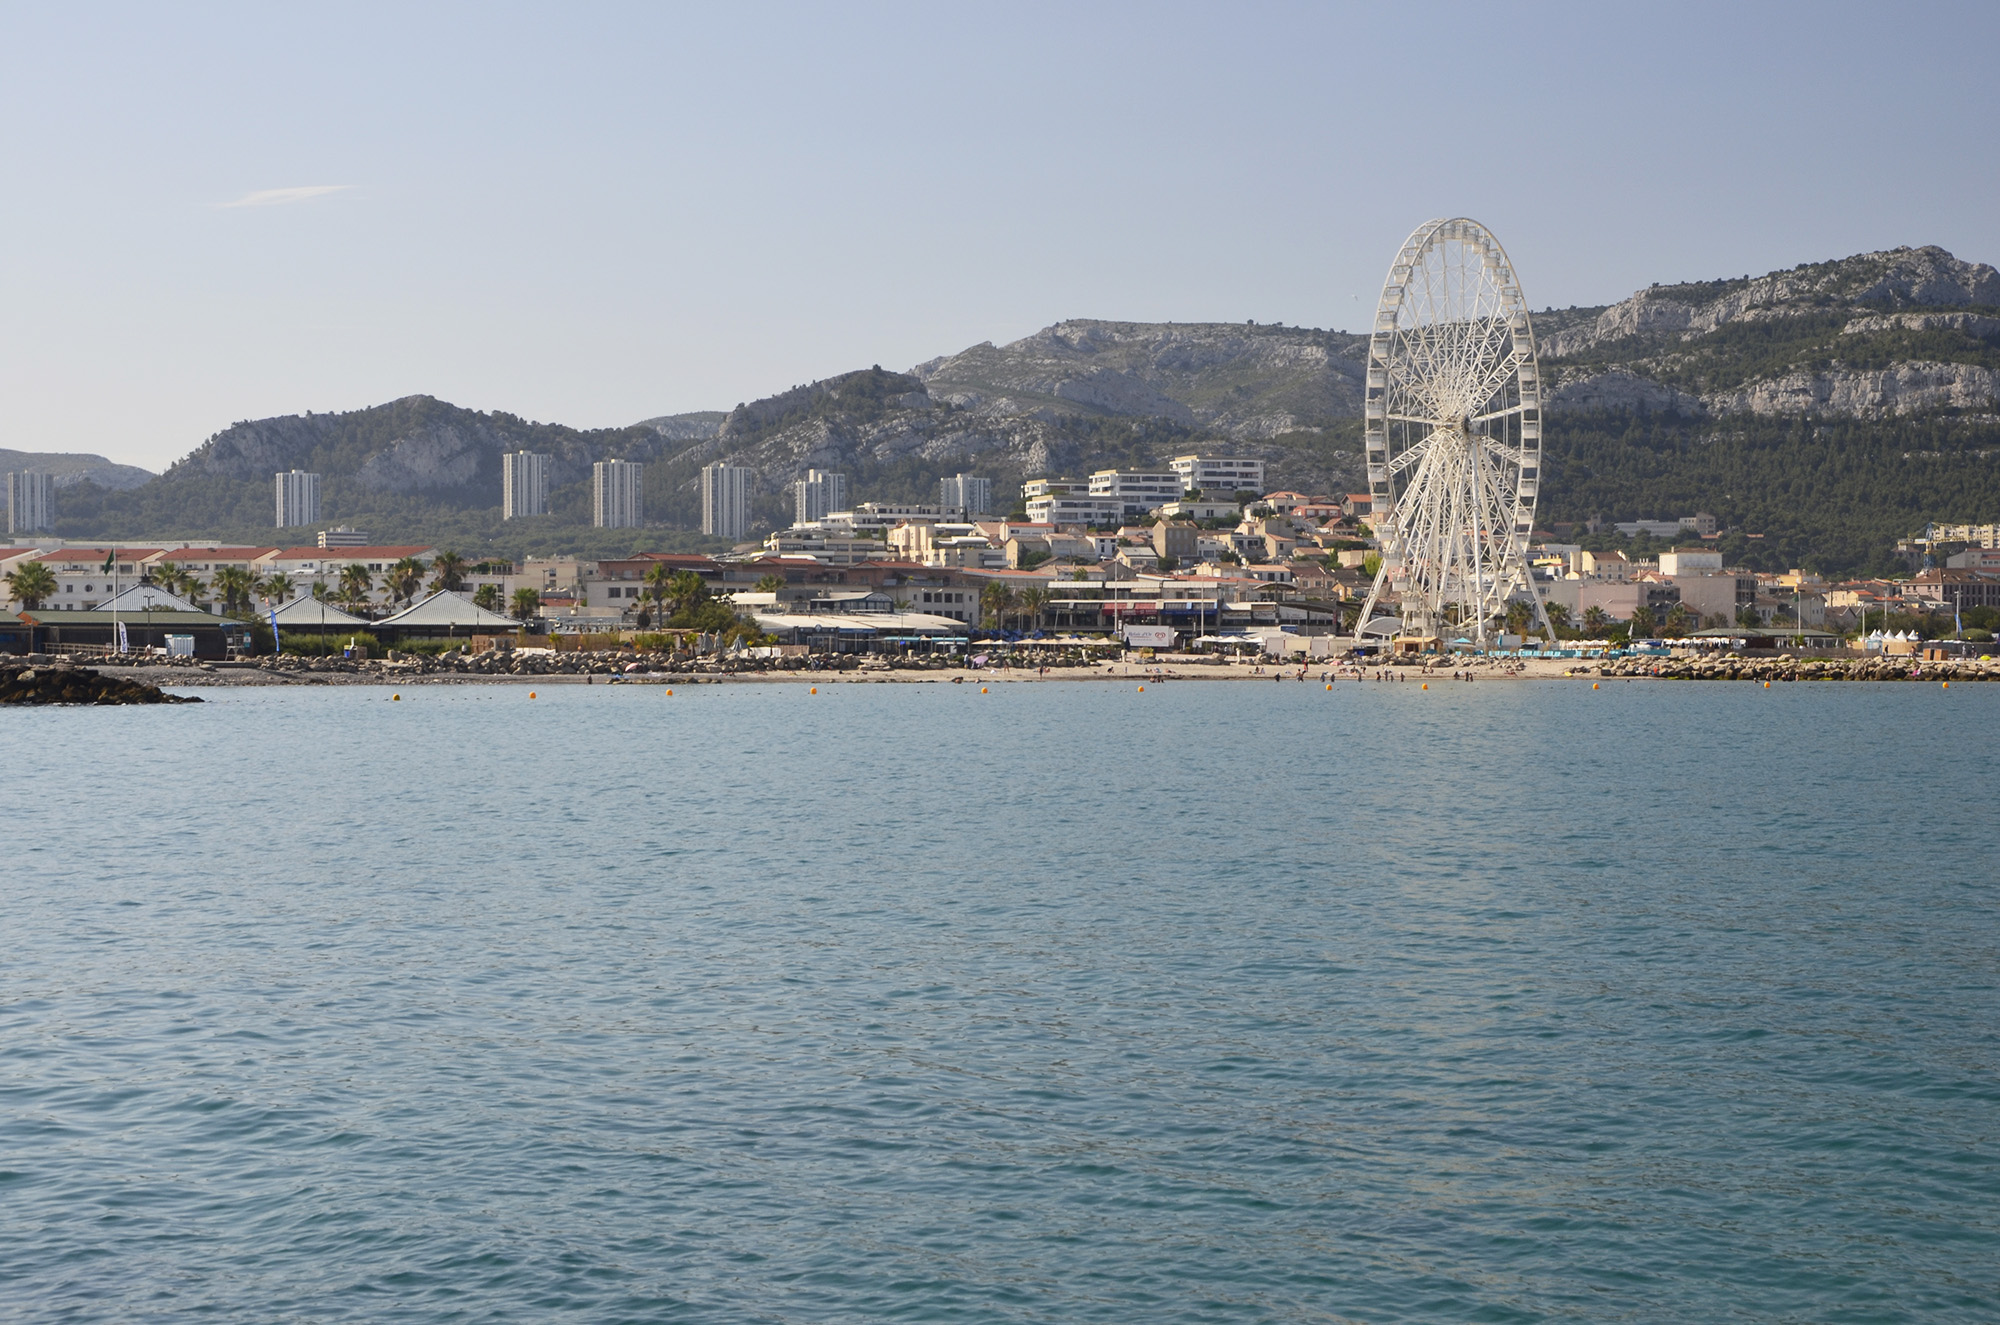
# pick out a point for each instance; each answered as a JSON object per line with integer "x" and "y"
{"x": 596, "y": 213}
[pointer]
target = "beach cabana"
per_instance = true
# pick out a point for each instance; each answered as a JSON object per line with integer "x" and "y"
{"x": 443, "y": 615}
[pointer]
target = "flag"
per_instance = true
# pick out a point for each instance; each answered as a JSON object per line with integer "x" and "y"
{"x": 124, "y": 644}
{"x": 110, "y": 560}
{"x": 276, "y": 645}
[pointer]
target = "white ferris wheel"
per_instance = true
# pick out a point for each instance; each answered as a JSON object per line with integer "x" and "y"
{"x": 1453, "y": 432}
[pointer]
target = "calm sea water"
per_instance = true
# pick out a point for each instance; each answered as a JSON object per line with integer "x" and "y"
{"x": 1060, "y": 1003}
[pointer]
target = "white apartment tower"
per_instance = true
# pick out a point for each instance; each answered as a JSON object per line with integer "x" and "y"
{"x": 31, "y": 502}
{"x": 298, "y": 498}
{"x": 817, "y": 494}
{"x": 616, "y": 501}
{"x": 973, "y": 496}
{"x": 725, "y": 500}
{"x": 524, "y": 484}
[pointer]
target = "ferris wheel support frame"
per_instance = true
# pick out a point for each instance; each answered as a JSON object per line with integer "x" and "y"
{"x": 1452, "y": 433}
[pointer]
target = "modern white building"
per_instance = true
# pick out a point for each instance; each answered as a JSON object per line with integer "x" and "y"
{"x": 725, "y": 500}
{"x": 830, "y": 546}
{"x": 343, "y": 536}
{"x": 31, "y": 502}
{"x": 872, "y": 516}
{"x": 524, "y": 484}
{"x": 1218, "y": 474}
{"x": 1066, "y": 509}
{"x": 616, "y": 499}
{"x": 1138, "y": 490}
{"x": 971, "y": 495}
{"x": 817, "y": 495}
{"x": 298, "y": 498}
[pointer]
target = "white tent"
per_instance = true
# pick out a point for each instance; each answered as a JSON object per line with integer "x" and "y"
{"x": 306, "y": 613}
{"x": 146, "y": 598}
{"x": 446, "y": 611}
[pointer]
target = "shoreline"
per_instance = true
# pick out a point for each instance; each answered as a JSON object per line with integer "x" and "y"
{"x": 1455, "y": 672}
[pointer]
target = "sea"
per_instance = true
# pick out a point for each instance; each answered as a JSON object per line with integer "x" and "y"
{"x": 1006, "y": 1001}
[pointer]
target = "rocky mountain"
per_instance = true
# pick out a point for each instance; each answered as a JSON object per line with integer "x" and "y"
{"x": 1876, "y": 336}
{"x": 1244, "y": 382}
{"x": 1829, "y": 409}
{"x": 71, "y": 468}
{"x": 1832, "y": 407}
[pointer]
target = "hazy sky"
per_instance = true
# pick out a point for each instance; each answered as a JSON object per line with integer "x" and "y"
{"x": 597, "y": 213}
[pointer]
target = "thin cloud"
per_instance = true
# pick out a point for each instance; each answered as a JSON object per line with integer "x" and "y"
{"x": 279, "y": 197}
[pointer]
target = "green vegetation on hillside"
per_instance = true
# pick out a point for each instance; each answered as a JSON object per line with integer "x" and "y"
{"x": 1831, "y": 495}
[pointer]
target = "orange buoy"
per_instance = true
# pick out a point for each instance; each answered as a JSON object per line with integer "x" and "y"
{"x": 1142, "y": 690}
{"x": 1767, "y": 685}
{"x": 1329, "y": 685}
{"x": 982, "y": 690}
{"x": 670, "y": 690}
{"x": 1593, "y": 685}
{"x": 1426, "y": 686}
{"x": 531, "y": 694}
{"x": 815, "y": 690}
{"x": 395, "y": 697}
{"x": 1947, "y": 685}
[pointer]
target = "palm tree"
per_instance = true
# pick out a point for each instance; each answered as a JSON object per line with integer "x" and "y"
{"x": 997, "y": 600}
{"x": 1595, "y": 619}
{"x": 356, "y": 584}
{"x": 177, "y": 580}
{"x": 235, "y": 587}
{"x": 1679, "y": 621}
{"x": 686, "y": 591}
{"x": 487, "y": 596}
{"x": 527, "y": 602}
{"x": 1032, "y": 601}
{"x": 276, "y": 588}
{"x": 659, "y": 578}
{"x": 448, "y": 572}
{"x": 1519, "y": 614}
{"x": 1558, "y": 614}
{"x": 1644, "y": 624}
{"x": 769, "y": 584}
{"x": 31, "y": 582}
{"x": 403, "y": 579}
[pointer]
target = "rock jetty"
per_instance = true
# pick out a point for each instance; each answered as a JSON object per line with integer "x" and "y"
{"x": 61, "y": 683}
{"x": 1784, "y": 667}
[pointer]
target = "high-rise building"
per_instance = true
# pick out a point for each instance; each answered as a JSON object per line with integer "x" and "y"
{"x": 973, "y": 496}
{"x": 616, "y": 501}
{"x": 725, "y": 500}
{"x": 524, "y": 484}
{"x": 816, "y": 494}
{"x": 298, "y": 498}
{"x": 31, "y": 502}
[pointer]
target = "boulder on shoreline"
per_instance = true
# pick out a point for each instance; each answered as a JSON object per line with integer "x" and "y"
{"x": 57, "y": 683}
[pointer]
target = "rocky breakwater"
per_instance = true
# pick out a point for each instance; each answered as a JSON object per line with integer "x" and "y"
{"x": 61, "y": 683}
{"x": 609, "y": 664}
{"x": 1784, "y": 667}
